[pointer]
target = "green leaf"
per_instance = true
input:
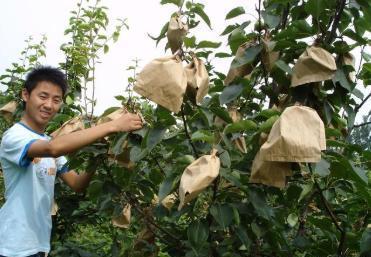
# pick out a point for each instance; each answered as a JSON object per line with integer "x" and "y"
{"x": 105, "y": 49}
{"x": 229, "y": 29}
{"x": 342, "y": 79}
{"x": 199, "y": 10}
{"x": 315, "y": 7}
{"x": 307, "y": 188}
{"x": 154, "y": 136}
{"x": 240, "y": 126}
{"x": 223, "y": 214}
{"x": 230, "y": 93}
{"x": 242, "y": 235}
{"x": 322, "y": 168}
{"x": 203, "y": 135}
{"x": 208, "y": 44}
{"x": 118, "y": 142}
{"x": 235, "y": 12}
{"x": 342, "y": 168}
{"x": 365, "y": 242}
{"x": 166, "y": 186}
{"x": 115, "y": 36}
{"x": 162, "y": 33}
{"x": 292, "y": 219}
{"x": 329, "y": 111}
{"x": 353, "y": 35}
{"x": 268, "y": 113}
{"x": 271, "y": 20}
{"x": 260, "y": 205}
{"x": 283, "y": 66}
{"x": 197, "y": 232}
{"x": 221, "y": 113}
{"x": 190, "y": 42}
{"x": 69, "y": 100}
{"x": 267, "y": 125}
{"x": 178, "y": 3}
{"x": 222, "y": 55}
{"x": 249, "y": 56}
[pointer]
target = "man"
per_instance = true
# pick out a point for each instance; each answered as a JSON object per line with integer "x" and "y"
{"x": 31, "y": 160}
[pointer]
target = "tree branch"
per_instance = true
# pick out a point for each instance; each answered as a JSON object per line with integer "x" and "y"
{"x": 338, "y": 13}
{"x": 332, "y": 216}
{"x": 186, "y": 132}
{"x": 362, "y": 124}
{"x": 362, "y": 103}
{"x": 134, "y": 203}
{"x": 285, "y": 16}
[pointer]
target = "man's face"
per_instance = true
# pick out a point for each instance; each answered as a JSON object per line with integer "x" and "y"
{"x": 43, "y": 102}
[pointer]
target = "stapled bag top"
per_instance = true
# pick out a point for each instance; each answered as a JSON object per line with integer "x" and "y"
{"x": 314, "y": 65}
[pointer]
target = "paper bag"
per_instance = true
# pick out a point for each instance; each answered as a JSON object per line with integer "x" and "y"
{"x": 112, "y": 116}
{"x": 70, "y": 126}
{"x": 176, "y": 32}
{"x": 269, "y": 173}
{"x": 243, "y": 70}
{"x": 8, "y": 110}
{"x": 164, "y": 82}
{"x": 348, "y": 59}
{"x": 197, "y": 80}
{"x": 198, "y": 176}
{"x": 297, "y": 136}
{"x": 123, "y": 220}
{"x": 314, "y": 65}
{"x": 269, "y": 57}
{"x": 239, "y": 142}
{"x": 122, "y": 159}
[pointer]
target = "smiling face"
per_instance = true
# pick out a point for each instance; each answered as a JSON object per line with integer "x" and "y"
{"x": 42, "y": 104}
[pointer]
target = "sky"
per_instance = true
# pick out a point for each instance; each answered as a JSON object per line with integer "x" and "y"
{"x": 20, "y": 19}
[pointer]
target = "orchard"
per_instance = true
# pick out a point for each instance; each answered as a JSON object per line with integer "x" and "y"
{"x": 264, "y": 160}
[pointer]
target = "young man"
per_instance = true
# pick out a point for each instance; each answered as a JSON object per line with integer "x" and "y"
{"x": 31, "y": 160}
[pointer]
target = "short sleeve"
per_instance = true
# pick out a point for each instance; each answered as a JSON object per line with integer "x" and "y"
{"x": 14, "y": 148}
{"x": 62, "y": 166}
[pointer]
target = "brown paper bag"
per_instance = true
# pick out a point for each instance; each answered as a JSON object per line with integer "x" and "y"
{"x": 123, "y": 220}
{"x": 163, "y": 81}
{"x": 243, "y": 70}
{"x": 72, "y": 125}
{"x": 176, "y": 32}
{"x": 297, "y": 136}
{"x": 269, "y": 173}
{"x": 269, "y": 57}
{"x": 239, "y": 142}
{"x": 8, "y": 110}
{"x": 314, "y": 65}
{"x": 198, "y": 176}
{"x": 348, "y": 59}
{"x": 112, "y": 116}
{"x": 197, "y": 80}
{"x": 123, "y": 159}
{"x": 168, "y": 202}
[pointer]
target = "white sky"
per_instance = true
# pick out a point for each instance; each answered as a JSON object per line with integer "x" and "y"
{"x": 20, "y": 19}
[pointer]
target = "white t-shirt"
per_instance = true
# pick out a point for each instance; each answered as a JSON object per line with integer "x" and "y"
{"x": 25, "y": 218}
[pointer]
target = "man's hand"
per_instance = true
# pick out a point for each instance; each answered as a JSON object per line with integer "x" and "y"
{"x": 127, "y": 122}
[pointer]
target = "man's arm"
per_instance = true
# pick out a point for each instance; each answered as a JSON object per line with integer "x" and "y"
{"x": 72, "y": 142}
{"x": 77, "y": 182}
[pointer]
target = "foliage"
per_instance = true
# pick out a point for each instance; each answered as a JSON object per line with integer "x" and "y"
{"x": 323, "y": 211}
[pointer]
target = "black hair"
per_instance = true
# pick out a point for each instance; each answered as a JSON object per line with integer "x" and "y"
{"x": 45, "y": 73}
